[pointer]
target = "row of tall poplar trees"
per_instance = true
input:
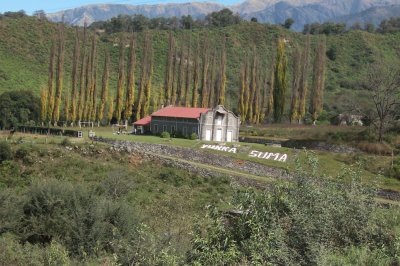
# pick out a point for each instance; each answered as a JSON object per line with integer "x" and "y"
{"x": 263, "y": 92}
{"x": 192, "y": 79}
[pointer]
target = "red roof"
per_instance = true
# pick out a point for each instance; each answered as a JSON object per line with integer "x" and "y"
{"x": 180, "y": 112}
{"x": 143, "y": 122}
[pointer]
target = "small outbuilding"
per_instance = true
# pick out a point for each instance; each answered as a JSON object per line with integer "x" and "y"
{"x": 217, "y": 124}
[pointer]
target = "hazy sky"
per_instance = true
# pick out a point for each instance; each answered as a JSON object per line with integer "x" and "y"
{"x": 50, "y": 6}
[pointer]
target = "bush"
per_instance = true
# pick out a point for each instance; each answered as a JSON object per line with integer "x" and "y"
{"x": 165, "y": 135}
{"x": 193, "y": 136}
{"x": 22, "y": 153}
{"x": 5, "y": 151}
{"x": 395, "y": 170}
{"x": 66, "y": 142}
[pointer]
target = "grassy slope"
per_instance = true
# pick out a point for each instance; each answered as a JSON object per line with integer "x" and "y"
{"x": 25, "y": 44}
{"x": 168, "y": 200}
{"x": 330, "y": 164}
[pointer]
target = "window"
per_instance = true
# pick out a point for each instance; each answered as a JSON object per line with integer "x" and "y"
{"x": 155, "y": 128}
{"x": 184, "y": 131}
{"x": 219, "y": 120}
{"x": 164, "y": 128}
{"x": 172, "y": 129}
{"x": 194, "y": 130}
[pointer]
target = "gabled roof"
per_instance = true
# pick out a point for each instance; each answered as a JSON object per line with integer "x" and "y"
{"x": 180, "y": 112}
{"x": 143, "y": 122}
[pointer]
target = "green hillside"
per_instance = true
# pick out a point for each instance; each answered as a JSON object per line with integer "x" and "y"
{"x": 25, "y": 44}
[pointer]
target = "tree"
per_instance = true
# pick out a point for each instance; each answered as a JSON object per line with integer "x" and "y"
{"x": 74, "y": 77}
{"x": 204, "y": 73}
{"x": 50, "y": 83}
{"x": 120, "y": 85}
{"x": 130, "y": 90}
{"x": 82, "y": 76}
{"x": 288, "y": 23}
{"x": 104, "y": 87}
{"x": 223, "y": 18}
{"x": 383, "y": 85}
{"x": 280, "y": 81}
{"x": 303, "y": 80}
{"x": 59, "y": 74}
{"x": 294, "y": 104}
{"x": 188, "y": 75}
{"x": 196, "y": 77}
{"x": 43, "y": 105}
{"x": 222, "y": 76}
{"x": 169, "y": 69}
{"x": 318, "y": 82}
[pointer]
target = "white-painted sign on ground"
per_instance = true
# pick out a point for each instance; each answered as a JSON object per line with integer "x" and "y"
{"x": 280, "y": 157}
{"x": 219, "y": 148}
{"x": 269, "y": 156}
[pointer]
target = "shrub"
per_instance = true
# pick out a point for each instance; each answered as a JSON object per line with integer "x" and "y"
{"x": 165, "y": 135}
{"x": 5, "y": 151}
{"x": 22, "y": 152}
{"x": 375, "y": 148}
{"x": 395, "y": 170}
{"x": 66, "y": 142}
{"x": 193, "y": 136}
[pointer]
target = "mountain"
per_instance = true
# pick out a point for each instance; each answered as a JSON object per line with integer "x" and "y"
{"x": 271, "y": 11}
{"x": 102, "y": 12}
{"x": 372, "y": 15}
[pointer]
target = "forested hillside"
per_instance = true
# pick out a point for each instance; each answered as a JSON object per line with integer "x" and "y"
{"x": 25, "y": 51}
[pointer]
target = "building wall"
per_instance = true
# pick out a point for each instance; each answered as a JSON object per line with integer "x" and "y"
{"x": 218, "y": 123}
{"x": 182, "y": 126}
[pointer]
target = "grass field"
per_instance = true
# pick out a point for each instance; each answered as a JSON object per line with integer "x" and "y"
{"x": 373, "y": 167}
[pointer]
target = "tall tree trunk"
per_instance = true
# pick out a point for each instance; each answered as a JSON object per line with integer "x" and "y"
{"x": 120, "y": 85}
{"x": 43, "y": 105}
{"x": 173, "y": 85}
{"x": 169, "y": 70}
{"x": 50, "y": 83}
{"x": 188, "y": 75}
{"x": 303, "y": 80}
{"x": 88, "y": 83}
{"x": 204, "y": 73}
{"x": 74, "y": 77}
{"x": 82, "y": 92}
{"x": 222, "y": 77}
{"x": 196, "y": 76}
{"x": 316, "y": 102}
{"x": 181, "y": 74}
{"x": 280, "y": 82}
{"x": 130, "y": 91}
{"x": 59, "y": 74}
{"x": 294, "y": 103}
{"x": 104, "y": 87}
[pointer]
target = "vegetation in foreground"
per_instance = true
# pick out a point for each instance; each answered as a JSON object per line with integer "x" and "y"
{"x": 90, "y": 206}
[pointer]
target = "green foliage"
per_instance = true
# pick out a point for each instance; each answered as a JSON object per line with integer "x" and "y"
{"x": 280, "y": 82}
{"x": 165, "y": 135}
{"x": 395, "y": 170}
{"x": 327, "y": 28}
{"x": 18, "y": 107}
{"x": 193, "y": 136}
{"x": 391, "y": 25}
{"x": 5, "y": 151}
{"x": 308, "y": 222}
{"x": 66, "y": 142}
{"x": 223, "y": 18}
{"x": 288, "y": 23}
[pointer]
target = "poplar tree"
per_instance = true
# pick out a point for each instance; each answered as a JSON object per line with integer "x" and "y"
{"x": 264, "y": 100}
{"x": 204, "y": 73}
{"x": 43, "y": 105}
{"x": 50, "y": 83}
{"x": 257, "y": 96}
{"x": 145, "y": 78}
{"x": 149, "y": 74}
{"x": 280, "y": 82}
{"x": 104, "y": 87}
{"x": 181, "y": 72}
{"x": 222, "y": 77}
{"x": 196, "y": 76}
{"x": 59, "y": 74}
{"x": 270, "y": 108}
{"x": 188, "y": 75}
{"x": 169, "y": 70}
{"x": 93, "y": 109}
{"x": 110, "y": 108}
{"x": 88, "y": 83}
{"x": 303, "y": 80}
{"x": 93, "y": 85}
{"x": 294, "y": 104}
{"x": 318, "y": 84}
{"x": 173, "y": 87}
{"x": 67, "y": 105}
{"x": 130, "y": 90}
{"x": 120, "y": 85}
{"x": 82, "y": 76}
{"x": 246, "y": 89}
{"x": 241, "y": 102}
{"x": 74, "y": 77}
{"x": 253, "y": 88}
{"x": 212, "y": 86}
